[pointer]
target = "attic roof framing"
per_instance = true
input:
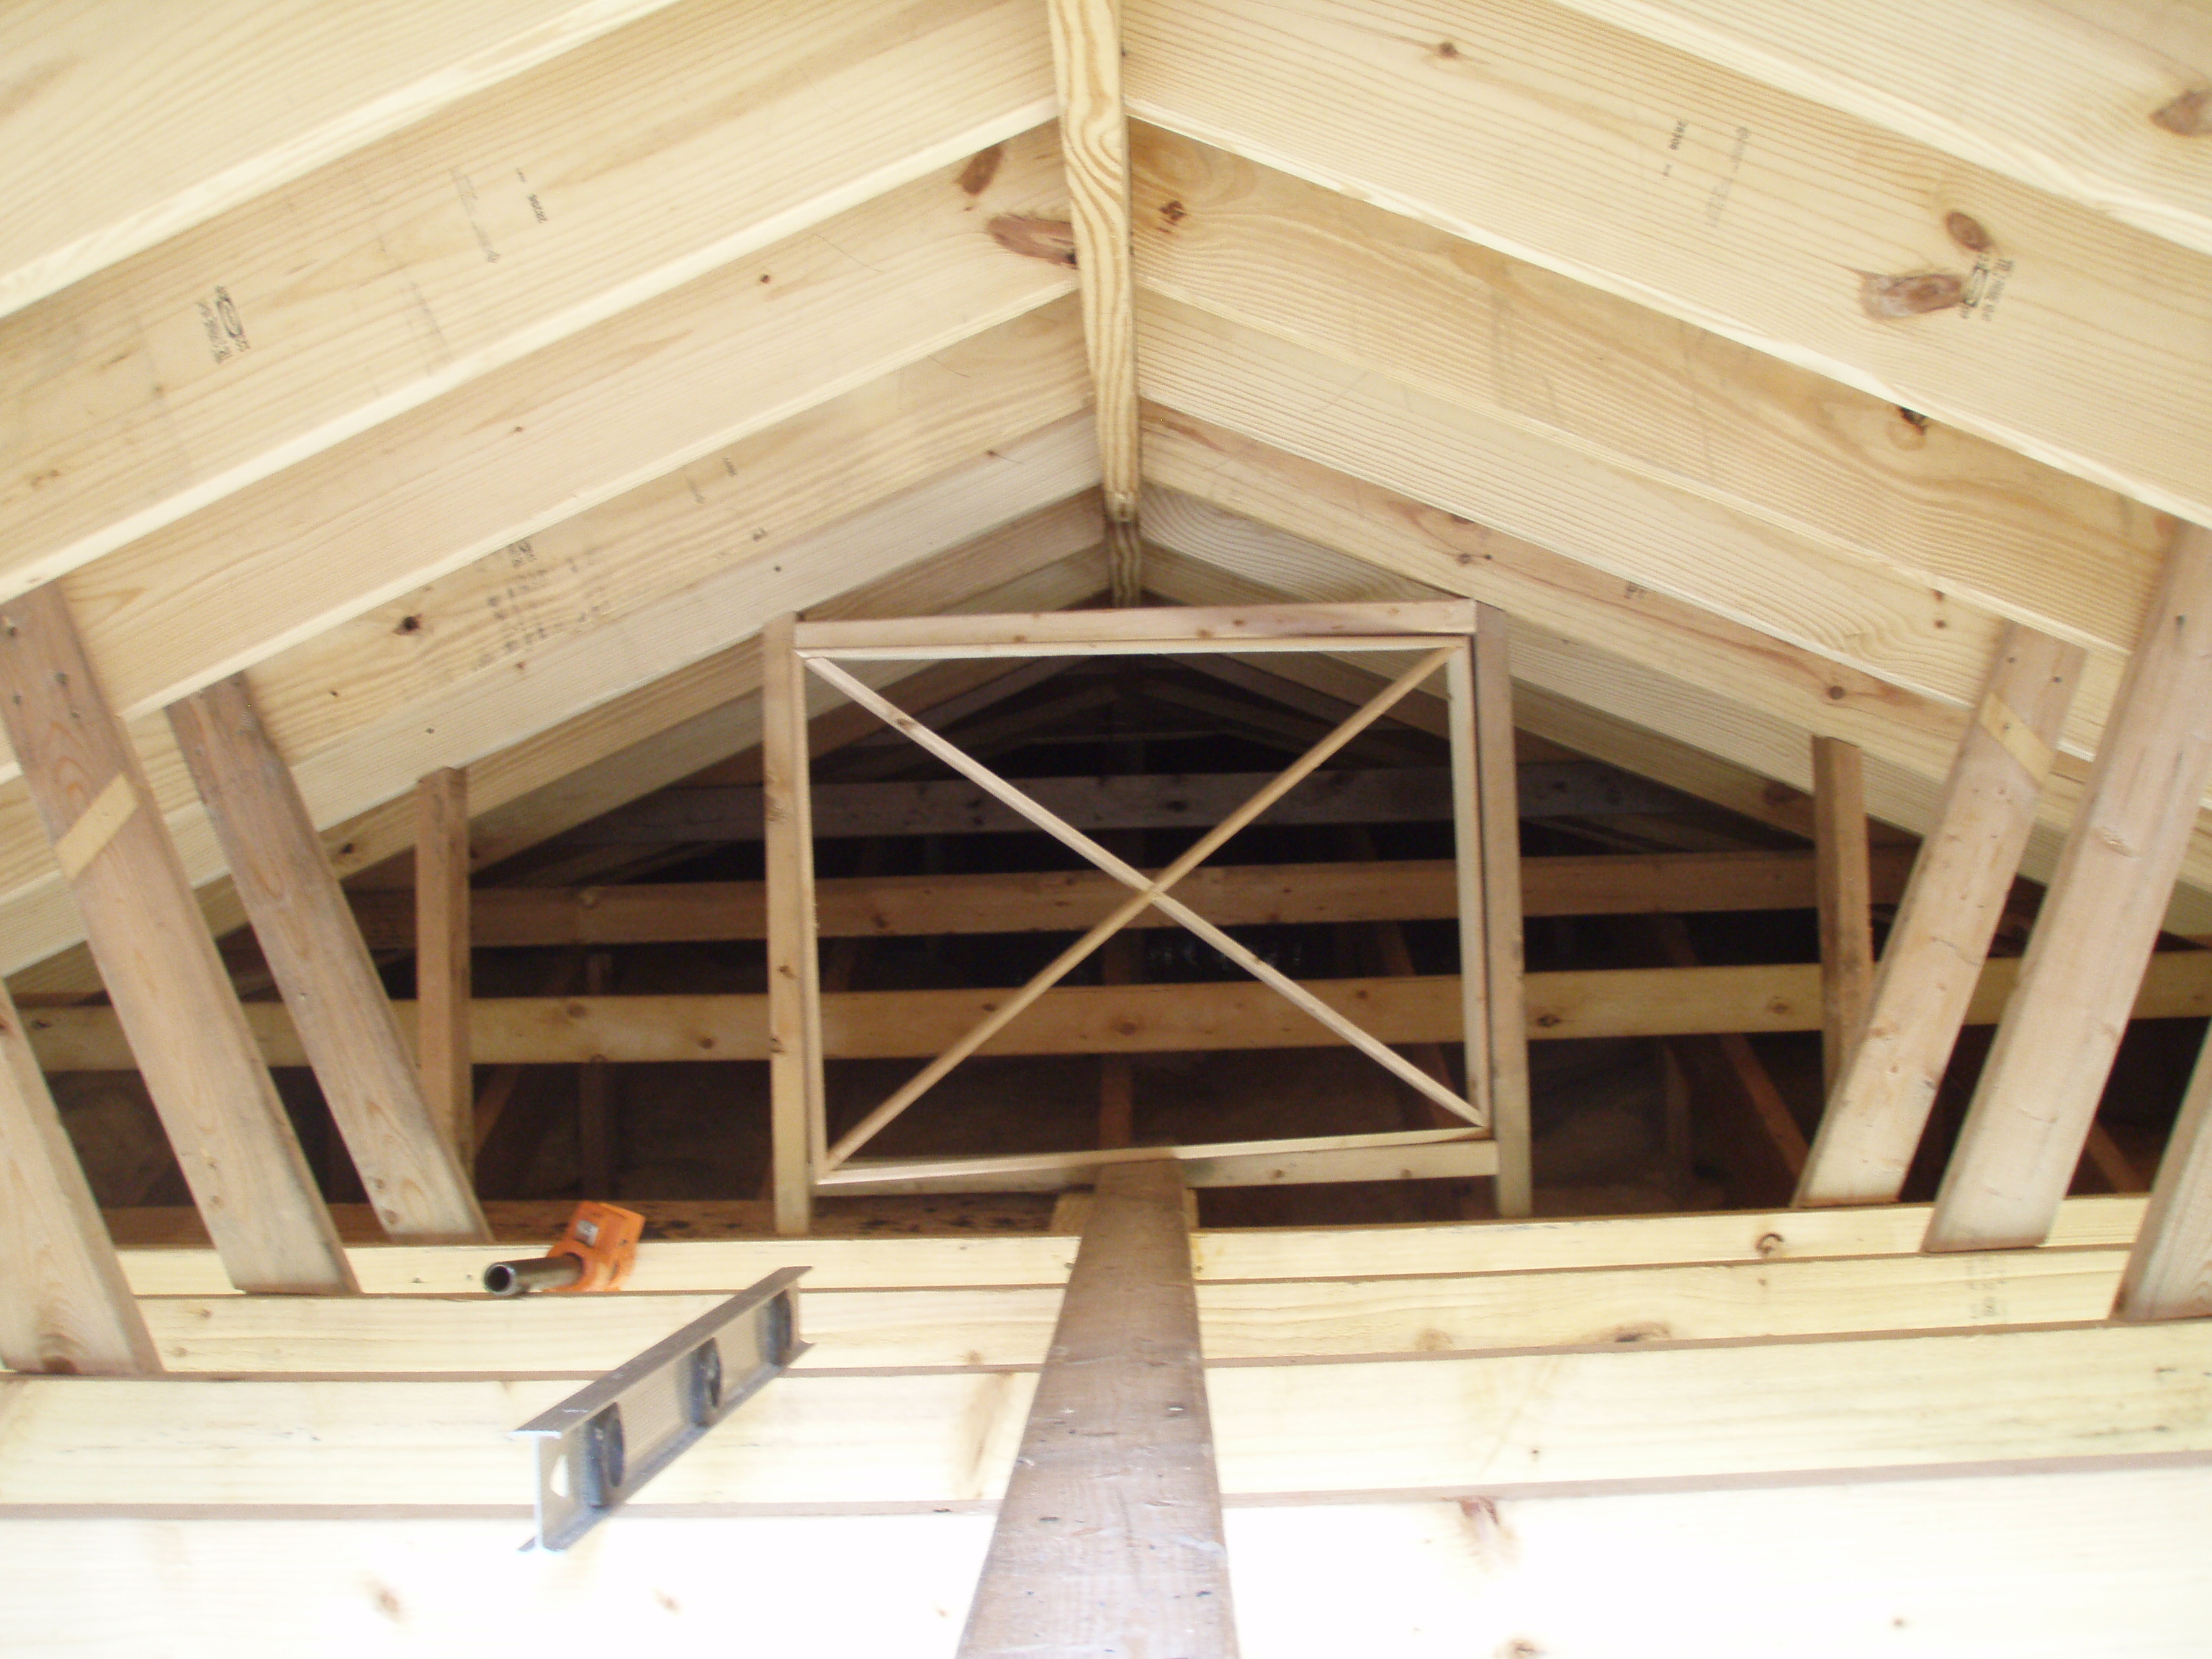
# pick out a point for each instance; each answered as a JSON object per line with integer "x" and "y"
{"x": 1451, "y": 637}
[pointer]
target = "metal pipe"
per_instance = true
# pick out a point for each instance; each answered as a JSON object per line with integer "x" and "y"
{"x": 542, "y": 1272}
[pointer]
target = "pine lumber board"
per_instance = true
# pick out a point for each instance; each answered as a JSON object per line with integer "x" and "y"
{"x": 1504, "y": 1425}
{"x": 541, "y": 719}
{"x": 445, "y": 1062}
{"x": 1400, "y": 890}
{"x": 1403, "y": 1154}
{"x": 462, "y": 243}
{"x": 109, "y": 81}
{"x": 1879, "y": 1103}
{"x": 1011, "y": 1325}
{"x": 1982, "y": 1567}
{"x": 413, "y": 1167}
{"x": 794, "y": 975}
{"x": 1618, "y": 648}
{"x": 1239, "y": 1254}
{"x": 1109, "y": 1535}
{"x": 2169, "y": 1273}
{"x": 64, "y": 1305}
{"x": 1842, "y": 854}
{"x": 1094, "y": 129}
{"x": 2117, "y": 93}
{"x": 636, "y": 398}
{"x": 1722, "y": 201}
{"x": 1505, "y": 975}
{"x": 1123, "y": 1019}
{"x": 188, "y": 1030}
{"x": 2039, "y": 1091}
{"x": 1808, "y": 471}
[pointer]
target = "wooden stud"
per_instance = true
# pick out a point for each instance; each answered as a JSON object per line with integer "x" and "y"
{"x": 1846, "y": 893}
{"x": 1501, "y": 887}
{"x": 2098, "y": 924}
{"x": 1288, "y": 626}
{"x": 404, "y": 1152}
{"x": 229, "y": 1128}
{"x": 442, "y": 991}
{"x": 1120, "y": 961}
{"x": 1387, "y": 1155}
{"x": 64, "y": 1304}
{"x": 1108, "y": 1539}
{"x": 797, "y": 1102}
{"x": 599, "y": 1153}
{"x": 1470, "y": 868}
{"x": 2169, "y": 1273}
{"x": 1094, "y": 135}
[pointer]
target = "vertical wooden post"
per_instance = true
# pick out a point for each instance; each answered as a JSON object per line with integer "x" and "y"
{"x": 1119, "y": 962}
{"x": 172, "y": 996}
{"x": 1843, "y": 880}
{"x": 442, "y": 1047}
{"x": 1878, "y": 1103}
{"x": 596, "y": 1154}
{"x": 1094, "y": 135}
{"x": 1109, "y": 1538}
{"x": 307, "y": 931}
{"x": 796, "y": 1101}
{"x": 2169, "y": 1272}
{"x": 1470, "y": 868}
{"x": 1501, "y": 902}
{"x": 2024, "y": 1131}
{"x": 63, "y": 1303}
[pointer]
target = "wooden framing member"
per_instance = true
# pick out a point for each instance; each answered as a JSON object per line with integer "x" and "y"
{"x": 1094, "y": 135}
{"x": 64, "y": 1304}
{"x": 1846, "y": 883}
{"x": 2100, "y": 922}
{"x": 796, "y": 1100}
{"x": 1108, "y": 1539}
{"x": 1878, "y": 1105}
{"x": 1505, "y": 1011}
{"x": 443, "y": 1059}
{"x": 405, "y": 1154}
{"x": 2169, "y": 1273}
{"x": 174, "y": 1001}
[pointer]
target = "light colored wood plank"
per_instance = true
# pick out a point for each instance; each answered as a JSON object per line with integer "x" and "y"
{"x": 1507, "y": 1424}
{"x": 64, "y": 1304}
{"x": 1506, "y": 1008}
{"x": 1108, "y": 1537}
{"x": 2169, "y": 1273}
{"x": 1845, "y": 881}
{"x": 2118, "y": 91}
{"x": 2039, "y": 1088}
{"x": 1240, "y": 1321}
{"x": 1395, "y": 1155}
{"x": 445, "y": 1060}
{"x": 1595, "y": 642}
{"x": 1471, "y": 876}
{"x": 1086, "y": 54}
{"x": 1239, "y": 1254}
{"x": 120, "y": 136}
{"x": 403, "y": 1151}
{"x": 1684, "y": 186}
{"x": 462, "y": 244}
{"x": 1879, "y": 1105}
{"x": 1189, "y": 626}
{"x": 598, "y": 1144}
{"x": 667, "y": 681}
{"x": 1394, "y": 890}
{"x": 1125, "y": 1020}
{"x": 1805, "y": 470}
{"x": 794, "y": 1017}
{"x": 187, "y": 1031}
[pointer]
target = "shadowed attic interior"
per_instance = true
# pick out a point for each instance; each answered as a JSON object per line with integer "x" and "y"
{"x": 409, "y": 475}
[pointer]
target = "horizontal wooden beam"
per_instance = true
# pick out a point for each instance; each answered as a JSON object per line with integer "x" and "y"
{"x": 1550, "y": 1421}
{"x": 1232, "y": 895}
{"x": 971, "y": 1258}
{"x": 1400, "y": 1155}
{"x": 941, "y": 1327}
{"x": 1408, "y": 794}
{"x": 1100, "y": 1019}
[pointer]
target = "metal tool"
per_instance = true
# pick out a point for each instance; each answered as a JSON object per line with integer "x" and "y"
{"x": 601, "y": 1444}
{"x": 595, "y": 1253}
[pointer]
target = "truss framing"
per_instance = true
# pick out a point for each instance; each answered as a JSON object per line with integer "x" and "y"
{"x": 1450, "y": 638}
